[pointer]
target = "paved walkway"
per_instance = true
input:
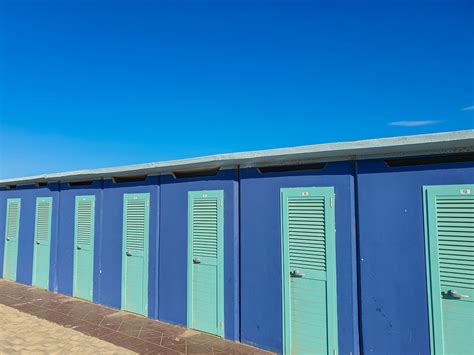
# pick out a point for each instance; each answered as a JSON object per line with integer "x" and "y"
{"x": 122, "y": 329}
{"x": 21, "y": 332}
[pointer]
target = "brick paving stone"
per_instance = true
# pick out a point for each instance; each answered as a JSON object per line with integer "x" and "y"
{"x": 23, "y": 333}
{"x": 123, "y": 329}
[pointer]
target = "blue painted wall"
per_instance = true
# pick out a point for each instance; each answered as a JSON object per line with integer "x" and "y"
{"x": 261, "y": 285}
{"x": 173, "y": 247}
{"x": 394, "y": 308}
{"x": 28, "y": 195}
{"x": 110, "y": 249}
{"x": 65, "y": 259}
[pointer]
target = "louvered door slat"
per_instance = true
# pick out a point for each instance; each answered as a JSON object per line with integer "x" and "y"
{"x": 13, "y": 217}
{"x": 85, "y": 215}
{"x": 457, "y": 248}
{"x": 205, "y": 228}
{"x": 135, "y": 232}
{"x": 11, "y": 238}
{"x": 306, "y": 223}
{"x": 43, "y": 220}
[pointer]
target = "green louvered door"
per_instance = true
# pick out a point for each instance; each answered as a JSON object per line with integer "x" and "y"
{"x": 309, "y": 271}
{"x": 84, "y": 246}
{"x": 135, "y": 253}
{"x": 450, "y": 256}
{"x": 12, "y": 228}
{"x": 42, "y": 247}
{"x": 206, "y": 261}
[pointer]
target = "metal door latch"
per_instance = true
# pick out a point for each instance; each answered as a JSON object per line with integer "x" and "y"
{"x": 196, "y": 261}
{"x": 37, "y": 242}
{"x": 128, "y": 253}
{"x": 296, "y": 273}
{"x": 453, "y": 295}
{"x": 78, "y": 247}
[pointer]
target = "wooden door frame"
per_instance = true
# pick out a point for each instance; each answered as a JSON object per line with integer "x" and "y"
{"x": 220, "y": 262}
{"x": 127, "y": 196}
{"x": 431, "y": 261}
{"x": 74, "y": 282}
{"x": 33, "y": 276}
{"x": 331, "y": 275}
{"x": 11, "y": 200}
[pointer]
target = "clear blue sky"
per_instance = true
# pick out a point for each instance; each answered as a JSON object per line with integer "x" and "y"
{"x": 87, "y": 84}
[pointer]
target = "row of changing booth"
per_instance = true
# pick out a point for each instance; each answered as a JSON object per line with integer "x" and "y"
{"x": 330, "y": 258}
{"x": 308, "y": 252}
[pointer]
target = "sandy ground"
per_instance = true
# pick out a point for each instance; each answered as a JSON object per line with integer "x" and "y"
{"x": 24, "y": 333}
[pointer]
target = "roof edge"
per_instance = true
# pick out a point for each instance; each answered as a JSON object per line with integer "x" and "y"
{"x": 434, "y": 143}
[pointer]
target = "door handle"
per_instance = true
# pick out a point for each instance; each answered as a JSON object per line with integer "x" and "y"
{"x": 128, "y": 253}
{"x": 196, "y": 261}
{"x": 8, "y": 238}
{"x": 296, "y": 273}
{"x": 78, "y": 247}
{"x": 453, "y": 294}
{"x": 37, "y": 242}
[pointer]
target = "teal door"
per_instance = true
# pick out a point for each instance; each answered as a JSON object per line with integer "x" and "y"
{"x": 206, "y": 261}
{"x": 84, "y": 246}
{"x": 309, "y": 271}
{"x": 449, "y": 227}
{"x": 135, "y": 253}
{"x": 12, "y": 228}
{"x": 42, "y": 242}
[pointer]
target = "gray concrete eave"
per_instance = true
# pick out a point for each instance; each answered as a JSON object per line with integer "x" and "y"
{"x": 436, "y": 143}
